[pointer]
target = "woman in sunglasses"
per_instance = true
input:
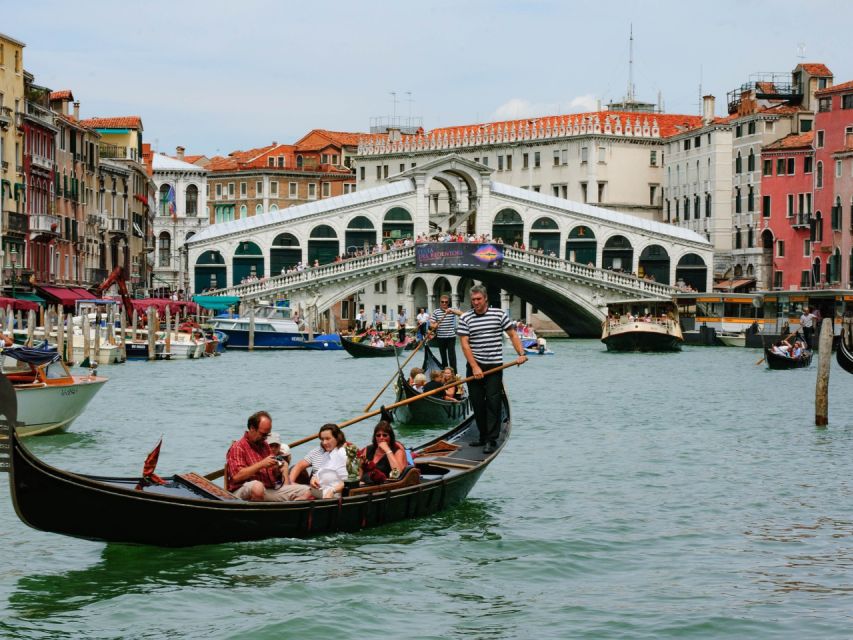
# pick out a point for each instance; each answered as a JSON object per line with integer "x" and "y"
{"x": 384, "y": 458}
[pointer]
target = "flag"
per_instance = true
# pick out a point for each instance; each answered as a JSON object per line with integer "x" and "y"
{"x": 173, "y": 209}
{"x": 148, "y": 475}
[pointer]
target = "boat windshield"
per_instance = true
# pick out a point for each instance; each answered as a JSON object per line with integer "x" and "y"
{"x": 276, "y": 313}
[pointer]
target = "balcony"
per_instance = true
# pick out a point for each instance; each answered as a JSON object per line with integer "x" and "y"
{"x": 45, "y": 224}
{"x": 15, "y": 223}
{"x": 116, "y": 152}
{"x": 41, "y": 162}
{"x": 5, "y": 117}
{"x": 39, "y": 113}
{"x": 118, "y": 225}
{"x": 95, "y": 276}
{"x": 801, "y": 221}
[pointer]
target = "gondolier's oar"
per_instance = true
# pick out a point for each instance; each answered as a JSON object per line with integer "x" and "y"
{"x": 426, "y": 339}
{"x": 790, "y": 335}
{"x": 220, "y": 472}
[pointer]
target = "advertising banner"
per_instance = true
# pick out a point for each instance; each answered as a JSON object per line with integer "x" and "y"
{"x": 431, "y": 255}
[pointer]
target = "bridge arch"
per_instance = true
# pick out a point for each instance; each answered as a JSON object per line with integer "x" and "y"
{"x": 508, "y": 226}
{"x": 545, "y": 235}
{"x": 323, "y": 245}
{"x": 210, "y": 271}
{"x": 654, "y": 263}
{"x": 248, "y": 261}
{"x": 285, "y": 252}
{"x": 360, "y": 231}
{"x": 419, "y": 291}
{"x": 618, "y": 254}
{"x": 581, "y": 245}
{"x": 692, "y": 271}
{"x": 397, "y": 223}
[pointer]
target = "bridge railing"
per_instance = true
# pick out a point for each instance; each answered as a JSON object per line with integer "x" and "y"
{"x": 591, "y": 273}
{"x": 316, "y": 274}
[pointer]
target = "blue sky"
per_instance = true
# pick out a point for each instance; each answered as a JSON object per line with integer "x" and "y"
{"x": 217, "y": 76}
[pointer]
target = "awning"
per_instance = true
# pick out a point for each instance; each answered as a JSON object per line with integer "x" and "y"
{"x": 26, "y": 295}
{"x": 66, "y": 297}
{"x": 216, "y": 303}
{"x": 732, "y": 285}
{"x": 83, "y": 294}
{"x": 17, "y": 304}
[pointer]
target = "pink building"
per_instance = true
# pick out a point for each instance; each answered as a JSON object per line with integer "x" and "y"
{"x": 832, "y": 260}
{"x": 786, "y": 209}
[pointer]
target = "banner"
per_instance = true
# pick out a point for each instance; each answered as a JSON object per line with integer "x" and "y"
{"x": 431, "y": 255}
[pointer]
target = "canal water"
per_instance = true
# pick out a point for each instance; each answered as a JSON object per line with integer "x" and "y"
{"x": 641, "y": 496}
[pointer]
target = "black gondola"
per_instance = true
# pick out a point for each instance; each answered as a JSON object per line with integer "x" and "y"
{"x": 362, "y": 350}
{"x": 189, "y": 510}
{"x": 431, "y": 410}
{"x": 844, "y": 355}
{"x": 775, "y": 361}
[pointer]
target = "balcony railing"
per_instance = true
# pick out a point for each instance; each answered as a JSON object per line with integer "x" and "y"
{"x": 41, "y": 161}
{"x": 5, "y": 117}
{"x": 118, "y": 225}
{"x": 117, "y": 152}
{"x": 42, "y": 223}
{"x": 95, "y": 276}
{"x": 15, "y": 222}
{"x": 801, "y": 220}
{"x": 39, "y": 113}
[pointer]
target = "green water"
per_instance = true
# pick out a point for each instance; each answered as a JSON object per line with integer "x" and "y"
{"x": 641, "y": 496}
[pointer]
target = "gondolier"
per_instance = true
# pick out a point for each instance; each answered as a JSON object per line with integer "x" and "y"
{"x": 480, "y": 334}
{"x": 445, "y": 337}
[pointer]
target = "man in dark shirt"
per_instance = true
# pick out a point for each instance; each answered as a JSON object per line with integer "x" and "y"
{"x": 434, "y": 380}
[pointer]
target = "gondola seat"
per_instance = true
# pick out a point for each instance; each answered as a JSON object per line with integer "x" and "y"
{"x": 409, "y": 476}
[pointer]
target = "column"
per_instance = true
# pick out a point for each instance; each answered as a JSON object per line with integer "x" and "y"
{"x": 504, "y": 300}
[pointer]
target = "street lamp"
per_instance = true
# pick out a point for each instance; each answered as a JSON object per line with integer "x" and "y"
{"x": 13, "y": 257}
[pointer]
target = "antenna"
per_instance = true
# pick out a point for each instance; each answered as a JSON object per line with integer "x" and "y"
{"x": 394, "y": 99}
{"x": 630, "y": 97}
{"x": 801, "y": 50}
{"x": 410, "y": 101}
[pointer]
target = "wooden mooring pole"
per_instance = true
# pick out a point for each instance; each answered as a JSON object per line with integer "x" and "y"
{"x": 821, "y": 405}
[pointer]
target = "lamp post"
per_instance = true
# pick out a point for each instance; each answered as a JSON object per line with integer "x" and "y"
{"x": 13, "y": 258}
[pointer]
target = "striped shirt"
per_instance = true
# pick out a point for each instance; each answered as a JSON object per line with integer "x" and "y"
{"x": 446, "y": 330}
{"x": 485, "y": 333}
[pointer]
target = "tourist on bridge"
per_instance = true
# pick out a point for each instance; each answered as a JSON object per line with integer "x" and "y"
{"x": 445, "y": 337}
{"x": 480, "y": 334}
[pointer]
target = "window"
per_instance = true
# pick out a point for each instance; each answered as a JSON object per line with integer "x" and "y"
{"x": 653, "y": 192}
{"x": 824, "y": 104}
{"x": 819, "y": 176}
{"x": 807, "y": 248}
{"x": 556, "y": 157}
{"x": 508, "y": 163}
{"x": 838, "y": 168}
{"x": 293, "y": 190}
{"x": 602, "y": 155}
{"x": 750, "y": 161}
{"x": 777, "y": 279}
{"x": 361, "y": 172}
{"x": 312, "y": 190}
{"x": 765, "y": 206}
{"x": 537, "y": 160}
{"x": 584, "y": 154}
{"x": 707, "y": 205}
{"x": 697, "y": 142}
{"x": 791, "y": 167}
{"x": 687, "y": 144}
{"x": 259, "y": 189}
{"x": 750, "y": 238}
{"x": 750, "y": 199}
{"x": 738, "y": 239}
{"x": 601, "y": 186}
{"x": 819, "y": 139}
{"x": 847, "y": 101}
{"x": 349, "y": 188}
{"x": 737, "y": 200}
{"x": 807, "y": 164}
{"x": 384, "y": 170}
{"x": 218, "y": 191}
{"x": 555, "y": 189}
{"x": 334, "y": 158}
{"x": 402, "y": 167}
{"x": 738, "y": 131}
{"x": 583, "y": 192}
{"x": 790, "y": 210}
{"x": 536, "y": 188}
{"x": 379, "y": 172}
{"x": 485, "y": 161}
{"x": 230, "y": 189}
{"x": 324, "y": 158}
{"x": 836, "y": 215}
{"x": 281, "y": 162}
{"x": 274, "y": 188}
{"x": 500, "y": 163}
{"x": 192, "y": 200}
{"x": 270, "y": 161}
{"x": 780, "y": 166}
{"x": 243, "y": 190}
{"x": 653, "y": 158}
{"x": 780, "y": 248}
{"x": 808, "y": 204}
{"x": 750, "y": 128}
{"x": 805, "y": 126}
{"x": 525, "y": 160}
{"x": 768, "y": 168}
{"x": 738, "y": 163}
{"x": 327, "y": 189}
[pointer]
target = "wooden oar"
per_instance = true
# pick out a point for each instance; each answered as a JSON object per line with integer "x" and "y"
{"x": 426, "y": 339}
{"x": 790, "y": 335}
{"x": 215, "y": 475}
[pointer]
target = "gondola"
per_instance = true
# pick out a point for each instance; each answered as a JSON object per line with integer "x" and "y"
{"x": 431, "y": 410}
{"x": 362, "y": 350}
{"x": 775, "y": 361}
{"x": 189, "y": 510}
{"x": 844, "y": 355}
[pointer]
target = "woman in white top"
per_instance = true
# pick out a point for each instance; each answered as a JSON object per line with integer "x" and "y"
{"x": 328, "y": 463}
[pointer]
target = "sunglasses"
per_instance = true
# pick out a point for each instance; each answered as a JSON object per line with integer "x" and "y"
{"x": 383, "y": 435}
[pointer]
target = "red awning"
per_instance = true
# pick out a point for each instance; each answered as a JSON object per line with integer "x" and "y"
{"x": 83, "y": 294}
{"x": 66, "y": 297}
{"x": 18, "y": 305}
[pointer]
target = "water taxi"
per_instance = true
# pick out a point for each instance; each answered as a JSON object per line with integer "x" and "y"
{"x": 275, "y": 328}
{"x": 641, "y": 325}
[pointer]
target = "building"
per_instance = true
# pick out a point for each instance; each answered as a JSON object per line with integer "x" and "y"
{"x": 181, "y": 200}
{"x": 832, "y": 259}
{"x": 266, "y": 179}
{"x": 786, "y": 209}
{"x": 13, "y": 226}
{"x": 608, "y": 158}
{"x": 130, "y": 237}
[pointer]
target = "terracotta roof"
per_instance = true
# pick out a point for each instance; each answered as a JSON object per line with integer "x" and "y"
{"x": 192, "y": 159}
{"x": 122, "y": 122}
{"x": 318, "y": 139}
{"x": 64, "y": 94}
{"x": 816, "y": 69}
{"x": 792, "y": 141}
{"x": 836, "y": 88}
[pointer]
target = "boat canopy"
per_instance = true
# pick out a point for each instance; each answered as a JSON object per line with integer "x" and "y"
{"x": 216, "y": 303}
{"x": 31, "y": 356}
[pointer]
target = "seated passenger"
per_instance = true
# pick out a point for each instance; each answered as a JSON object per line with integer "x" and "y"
{"x": 419, "y": 382}
{"x": 434, "y": 380}
{"x": 415, "y": 371}
{"x": 327, "y": 463}
{"x": 451, "y": 393}
{"x": 384, "y": 458}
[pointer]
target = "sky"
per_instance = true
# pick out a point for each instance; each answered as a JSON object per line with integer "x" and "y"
{"x": 217, "y": 76}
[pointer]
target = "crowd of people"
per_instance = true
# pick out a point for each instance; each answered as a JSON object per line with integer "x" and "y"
{"x": 437, "y": 378}
{"x": 798, "y": 348}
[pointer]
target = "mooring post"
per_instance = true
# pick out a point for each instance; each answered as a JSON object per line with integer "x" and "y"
{"x": 821, "y": 408}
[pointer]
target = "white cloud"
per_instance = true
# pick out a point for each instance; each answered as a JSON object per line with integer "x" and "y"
{"x": 518, "y": 108}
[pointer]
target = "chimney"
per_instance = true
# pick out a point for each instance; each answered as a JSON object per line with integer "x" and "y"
{"x": 179, "y": 151}
{"x": 394, "y": 134}
{"x": 707, "y": 109}
{"x": 76, "y": 110}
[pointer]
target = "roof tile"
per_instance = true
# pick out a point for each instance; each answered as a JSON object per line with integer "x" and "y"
{"x": 121, "y": 122}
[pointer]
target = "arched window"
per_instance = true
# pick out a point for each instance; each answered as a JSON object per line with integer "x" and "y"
{"x": 259, "y": 209}
{"x": 397, "y": 224}
{"x": 738, "y": 163}
{"x": 192, "y": 201}
{"x": 273, "y": 207}
{"x": 163, "y": 205}
{"x": 750, "y": 161}
{"x": 545, "y": 236}
{"x": 244, "y": 211}
{"x": 360, "y": 235}
{"x": 508, "y": 226}
{"x": 164, "y": 250}
{"x": 322, "y": 245}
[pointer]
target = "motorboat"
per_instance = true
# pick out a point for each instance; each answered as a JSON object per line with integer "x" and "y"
{"x": 642, "y": 325}
{"x": 274, "y": 328}
{"x": 49, "y": 398}
{"x": 731, "y": 338}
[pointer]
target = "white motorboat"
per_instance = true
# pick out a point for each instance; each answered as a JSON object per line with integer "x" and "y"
{"x": 731, "y": 338}
{"x": 49, "y": 397}
{"x": 274, "y": 328}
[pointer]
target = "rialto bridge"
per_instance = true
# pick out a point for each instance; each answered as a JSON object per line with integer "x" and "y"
{"x": 575, "y": 258}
